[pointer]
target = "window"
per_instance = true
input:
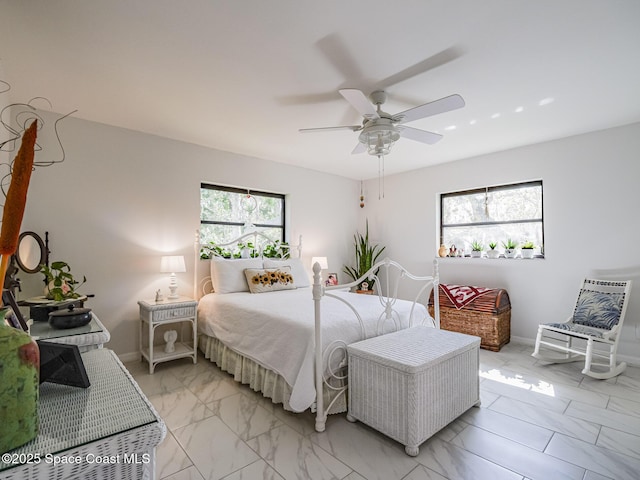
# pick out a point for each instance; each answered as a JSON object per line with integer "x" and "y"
{"x": 224, "y": 211}
{"x": 493, "y": 214}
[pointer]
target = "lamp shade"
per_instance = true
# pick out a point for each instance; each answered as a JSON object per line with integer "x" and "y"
{"x": 322, "y": 261}
{"x": 172, "y": 264}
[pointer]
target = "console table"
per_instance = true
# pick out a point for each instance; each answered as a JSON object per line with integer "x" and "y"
{"x": 93, "y": 335}
{"x": 107, "y": 431}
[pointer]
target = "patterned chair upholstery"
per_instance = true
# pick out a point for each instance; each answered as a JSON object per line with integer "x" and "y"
{"x": 592, "y": 331}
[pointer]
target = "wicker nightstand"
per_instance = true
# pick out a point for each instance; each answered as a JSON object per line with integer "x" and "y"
{"x": 154, "y": 314}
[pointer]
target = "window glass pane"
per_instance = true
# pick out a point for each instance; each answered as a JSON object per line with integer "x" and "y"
{"x": 522, "y": 203}
{"x": 497, "y": 205}
{"x": 218, "y": 205}
{"x": 225, "y": 233}
{"x": 269, "y": 211}
{"x": 222, "y": 206}
{"x": 464, "y": 209}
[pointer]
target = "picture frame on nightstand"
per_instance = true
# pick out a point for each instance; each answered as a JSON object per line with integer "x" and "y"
{"x": 332, "y": 279}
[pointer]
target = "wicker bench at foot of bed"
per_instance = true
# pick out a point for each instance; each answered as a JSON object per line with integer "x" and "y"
{"x": 487, "y": 317}
{"x": 412, "y": 383}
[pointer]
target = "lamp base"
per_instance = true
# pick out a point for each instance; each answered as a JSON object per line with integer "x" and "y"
{"x": 173, "y": 287}
{"x": 173, "y": 294}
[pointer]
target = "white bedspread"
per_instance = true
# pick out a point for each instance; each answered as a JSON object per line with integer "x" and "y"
{"x": 276, "y": 329}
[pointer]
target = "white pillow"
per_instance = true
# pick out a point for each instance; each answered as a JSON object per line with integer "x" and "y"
{"x": 227, "y": 276}
{"x": 300, "y": 275}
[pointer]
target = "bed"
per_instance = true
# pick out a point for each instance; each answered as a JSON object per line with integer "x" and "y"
{"x": 260, "y": 319}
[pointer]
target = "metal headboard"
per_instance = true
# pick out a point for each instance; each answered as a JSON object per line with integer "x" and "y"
{"x": 202, "y": 283}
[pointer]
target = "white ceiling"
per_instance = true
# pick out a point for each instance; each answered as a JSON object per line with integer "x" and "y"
{"x": 245, "y": 75}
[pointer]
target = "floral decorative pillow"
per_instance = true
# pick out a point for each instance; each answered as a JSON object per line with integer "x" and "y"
{"x": 599, "y": 310}
{"x": 269, "y": 279}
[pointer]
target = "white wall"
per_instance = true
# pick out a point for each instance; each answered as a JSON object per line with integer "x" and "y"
{"x": 591, "y": 202}
{"x": 122, "y": 198}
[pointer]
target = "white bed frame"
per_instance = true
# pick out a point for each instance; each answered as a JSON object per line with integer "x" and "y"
{"x": 392, "y": 273}
{"x": 201, "y": 277}
{"x": 387, "y": 275}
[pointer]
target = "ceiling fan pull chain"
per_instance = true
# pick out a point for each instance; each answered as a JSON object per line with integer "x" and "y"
{"x": 383, "y": 177}
{"x": 379, "y": 160}
{"x": 380, "y": 177}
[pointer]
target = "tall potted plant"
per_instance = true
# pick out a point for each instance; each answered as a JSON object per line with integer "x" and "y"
{"x": 366, "y": 257}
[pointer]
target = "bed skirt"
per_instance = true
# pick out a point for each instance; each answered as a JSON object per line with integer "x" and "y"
{"x": 259, "y": 378}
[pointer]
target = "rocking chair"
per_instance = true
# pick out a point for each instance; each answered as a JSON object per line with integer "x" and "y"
{"x": 592, "y": 332}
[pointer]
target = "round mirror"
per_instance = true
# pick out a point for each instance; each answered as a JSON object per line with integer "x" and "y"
{"x": 31, "y": 253}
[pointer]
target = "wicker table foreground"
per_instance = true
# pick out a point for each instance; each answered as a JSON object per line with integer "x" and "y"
{"x": 412, "y": 383}
{"x": 106, "y": 431}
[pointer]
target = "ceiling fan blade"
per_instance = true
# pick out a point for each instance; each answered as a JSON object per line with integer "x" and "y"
{"x": 360, "y": 148}
{"x": 419, "y": 135}
{"x": 446, "y": 104}
{"x": 360, "y": 102}
{"x": 335, "y": 50}
{"x": 337, "y": 53}
{"x": 353, "y": 128}
{"x": 307, "y": 99}
{"x": 430, "y": 63}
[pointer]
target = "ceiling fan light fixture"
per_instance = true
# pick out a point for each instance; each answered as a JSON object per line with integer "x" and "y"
{"x": 379, "y": 138}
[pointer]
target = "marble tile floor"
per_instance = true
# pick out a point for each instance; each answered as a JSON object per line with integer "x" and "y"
{"x": 536, "y": 421}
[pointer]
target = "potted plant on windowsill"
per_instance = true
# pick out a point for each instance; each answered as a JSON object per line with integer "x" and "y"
{"x": 366, "y": 256}
{"x": 476, "y": 249}
{"x": 527, "y": 249}
{"x": 509, "y": 248}
{"x": 492, "y": 252}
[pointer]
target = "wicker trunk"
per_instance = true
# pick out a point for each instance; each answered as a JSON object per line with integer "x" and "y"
{"x": 488, "y": 317}
{"x": 412, "y": 383}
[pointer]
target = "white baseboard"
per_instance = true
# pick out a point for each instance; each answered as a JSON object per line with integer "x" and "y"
{"x": 631, "y": 360}
{"x": 129, "y": 357}
{"x": 523, "y": 340}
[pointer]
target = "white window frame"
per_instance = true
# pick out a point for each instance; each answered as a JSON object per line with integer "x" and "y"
{"x": 540, "y": 249}
{"x": 259, "y": 226}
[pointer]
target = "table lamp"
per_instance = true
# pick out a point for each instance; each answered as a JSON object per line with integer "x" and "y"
{"x": 172, "y": 264}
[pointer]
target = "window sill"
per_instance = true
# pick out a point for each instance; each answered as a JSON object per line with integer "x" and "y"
{"x": 501, "y": 257}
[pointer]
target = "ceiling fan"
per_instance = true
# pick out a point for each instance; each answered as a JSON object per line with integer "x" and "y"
{"x": 380, "y": 130}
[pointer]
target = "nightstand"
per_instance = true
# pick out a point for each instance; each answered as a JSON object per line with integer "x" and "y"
{"x": 180, "y": 311}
